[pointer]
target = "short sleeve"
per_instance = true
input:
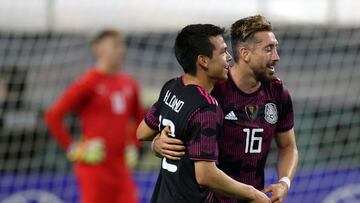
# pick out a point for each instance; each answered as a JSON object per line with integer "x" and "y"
{"x": 152, "y": 117}
{"x": 286, "y": 114}
{"x": 204, "y": 128}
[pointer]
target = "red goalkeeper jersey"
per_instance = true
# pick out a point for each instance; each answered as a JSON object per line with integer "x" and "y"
{"x": 104, "y": 103}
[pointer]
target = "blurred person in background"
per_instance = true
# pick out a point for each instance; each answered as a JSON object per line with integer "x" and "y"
{"x": 257, "y": 107}
{"x": 108, "y": 106}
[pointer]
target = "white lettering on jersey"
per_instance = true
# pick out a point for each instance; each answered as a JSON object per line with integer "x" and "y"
{"x": 173, "y": 102}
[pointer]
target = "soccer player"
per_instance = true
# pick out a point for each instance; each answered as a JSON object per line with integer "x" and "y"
{"x": 106, "y": 101}
{"x": 257, "y": 107}
{"x": 194, "y": 116}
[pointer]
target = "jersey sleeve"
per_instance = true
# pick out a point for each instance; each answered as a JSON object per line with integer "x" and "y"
{"x": 70, "y": 101}
{"x": 286, "y": 114}
{"x": 152, "y": 117}
{"x": 204, "y": 128}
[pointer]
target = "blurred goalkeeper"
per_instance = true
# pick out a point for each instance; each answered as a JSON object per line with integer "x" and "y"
{"x": 107, "y": 103}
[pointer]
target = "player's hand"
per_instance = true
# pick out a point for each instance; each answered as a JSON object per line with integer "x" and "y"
{"x": 278, "y": 192}
{"x": 88, "y": 151}
{"x": 260, "y": 197}
{"x": 168, "y": 147}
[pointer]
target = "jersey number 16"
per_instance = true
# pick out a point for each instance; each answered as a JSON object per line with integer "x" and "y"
{"x": 253, "y": 142}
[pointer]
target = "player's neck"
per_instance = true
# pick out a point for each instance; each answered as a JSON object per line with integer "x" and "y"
{"x": 203, "y": 82}
{"x": 244, "y": 79}
{"x": 106, "y": 68}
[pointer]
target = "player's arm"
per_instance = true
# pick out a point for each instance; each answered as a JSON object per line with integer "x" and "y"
{"x": 287, "y": 154}
{"x": 287, "y": 164}
{"x": 145, "y": 133}
{"x": 165, "y": 146}
{"x": 287, "y": 150}
{"x": 149, "y": 130}
{"x": 285, "y": 138}
{"x": 149, "y": 126}
{"x": 204, "y": 128}
{"x": 208, "y": 175}
{"x": 68, "y": 102}
{"x": 87, "y": 151}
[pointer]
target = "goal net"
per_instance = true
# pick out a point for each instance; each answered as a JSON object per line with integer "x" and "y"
{"x": 319, "y": 65}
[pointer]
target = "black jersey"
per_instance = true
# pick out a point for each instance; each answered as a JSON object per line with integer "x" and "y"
{"x": 195, "y": 118}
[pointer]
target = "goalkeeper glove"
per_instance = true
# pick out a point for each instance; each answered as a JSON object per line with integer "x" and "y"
{"x": 131, "y": 156}
{"x": 88, "y": 151}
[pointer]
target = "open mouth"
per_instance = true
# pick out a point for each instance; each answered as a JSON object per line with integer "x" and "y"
{"x": 272, "y": 68}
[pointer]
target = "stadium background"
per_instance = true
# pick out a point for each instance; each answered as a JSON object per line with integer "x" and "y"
{"x": 44, "y": 45}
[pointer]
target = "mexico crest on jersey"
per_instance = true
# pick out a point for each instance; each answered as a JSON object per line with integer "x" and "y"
{"x": 271, "y": 114}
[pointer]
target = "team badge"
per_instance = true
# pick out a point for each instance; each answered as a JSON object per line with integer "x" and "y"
{"x": 271, "y": 115}
{"x": 251, "y": 111}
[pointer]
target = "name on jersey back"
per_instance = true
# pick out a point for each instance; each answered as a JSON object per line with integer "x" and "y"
{"x": 173, "y": 102}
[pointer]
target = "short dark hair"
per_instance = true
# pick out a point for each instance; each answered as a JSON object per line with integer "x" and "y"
{"x": 192, "y": 41}
{"x": 105, "y": 34}
{"x": 244, "y": 30}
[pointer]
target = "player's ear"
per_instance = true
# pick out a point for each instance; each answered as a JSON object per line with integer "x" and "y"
{"x": 244, "y": 53}
{"x": 203, "y": 61}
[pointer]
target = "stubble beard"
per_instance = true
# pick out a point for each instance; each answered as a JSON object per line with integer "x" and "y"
{"x": 263, "y": 77}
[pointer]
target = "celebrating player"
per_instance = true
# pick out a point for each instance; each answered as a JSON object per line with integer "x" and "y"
{"x": 194, "y": 116}
{"x": 105, "y": 101}
{"x": 257, "y": 107}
